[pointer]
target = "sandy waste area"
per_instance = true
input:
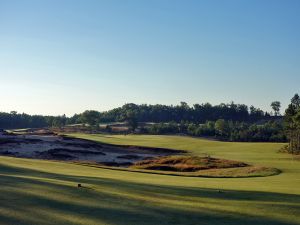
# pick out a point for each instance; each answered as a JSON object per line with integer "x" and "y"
{"x": 54, "y": 147}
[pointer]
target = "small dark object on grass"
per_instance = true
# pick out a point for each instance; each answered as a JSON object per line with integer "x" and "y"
{"x": 79, "y": 185}
{"x": 220, "y": 191}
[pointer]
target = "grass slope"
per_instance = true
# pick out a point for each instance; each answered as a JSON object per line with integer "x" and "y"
{"x": 43, "y": 192}
{"x": 183, "y": 165}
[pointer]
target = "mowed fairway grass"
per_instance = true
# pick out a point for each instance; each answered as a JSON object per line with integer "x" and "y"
{"x": 45, "y": 192}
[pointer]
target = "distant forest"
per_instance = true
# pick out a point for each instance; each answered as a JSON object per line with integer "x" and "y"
{"x": 230, "y": 122}
{"x": 198, "y": 113}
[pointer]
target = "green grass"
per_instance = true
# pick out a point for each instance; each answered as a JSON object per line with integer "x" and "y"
{"x": 44, "y": 192}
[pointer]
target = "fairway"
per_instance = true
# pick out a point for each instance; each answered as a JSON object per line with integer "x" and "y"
{"x": 144, "y": 112}
{"x": 45, "y": 192}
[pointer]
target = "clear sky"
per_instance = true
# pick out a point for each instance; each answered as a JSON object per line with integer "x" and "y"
{"x": 68, "y": 56}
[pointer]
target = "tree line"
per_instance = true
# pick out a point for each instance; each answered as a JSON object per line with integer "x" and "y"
{"x": 198, "y": 113}
{"x": 232, "y": 122}
{"x": 270, "y": 131}
{"x": 14, "y": 120}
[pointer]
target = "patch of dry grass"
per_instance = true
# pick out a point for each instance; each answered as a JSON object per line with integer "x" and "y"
{"x": 186, "y": 163}
{"x": 202, "y": 166}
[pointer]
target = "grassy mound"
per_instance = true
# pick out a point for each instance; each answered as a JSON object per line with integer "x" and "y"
{"x": 249, "y": 171}
{"x": 203, "y": 166}
{"x": 186, "y": 163}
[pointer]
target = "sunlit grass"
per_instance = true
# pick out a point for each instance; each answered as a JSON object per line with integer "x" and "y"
{"x": 45, "y": 192}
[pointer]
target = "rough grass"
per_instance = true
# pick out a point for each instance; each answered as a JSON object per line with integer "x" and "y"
{"x": 186, "y": 163}
{"x": 203, "y": 166}
{"x": 43, "y": 192}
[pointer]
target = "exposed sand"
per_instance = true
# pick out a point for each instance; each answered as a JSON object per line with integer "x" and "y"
{"x": 61, "y": 148}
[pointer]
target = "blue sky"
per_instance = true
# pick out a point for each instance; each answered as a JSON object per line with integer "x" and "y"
{"x": 68, "y": 56}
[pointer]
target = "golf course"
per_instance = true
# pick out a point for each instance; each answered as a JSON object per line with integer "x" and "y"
{"x": 150, "y": 112}
{"x": 46, "y": 192}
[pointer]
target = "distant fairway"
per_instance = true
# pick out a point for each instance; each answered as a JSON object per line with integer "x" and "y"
{"x": 44, "y": 192}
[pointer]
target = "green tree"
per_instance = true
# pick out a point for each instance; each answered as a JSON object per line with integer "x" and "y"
{"x": 91, "y": 117}
{"x": 222, "y": 127}
{"x": 292, "y": 124}
{"x": 276, "y": 107}
{"x": 59, "y": 121}
{"x": 296, "y": 101}
{"x": 131, "y": 119}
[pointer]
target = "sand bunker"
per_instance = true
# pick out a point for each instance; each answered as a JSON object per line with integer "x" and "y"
{"x": 54, "y": 147}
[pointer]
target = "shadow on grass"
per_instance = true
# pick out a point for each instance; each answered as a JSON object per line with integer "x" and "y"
{"x": 34, "y": 197}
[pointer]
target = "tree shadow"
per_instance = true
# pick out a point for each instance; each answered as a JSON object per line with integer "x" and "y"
{"x": 37, "y": 197}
